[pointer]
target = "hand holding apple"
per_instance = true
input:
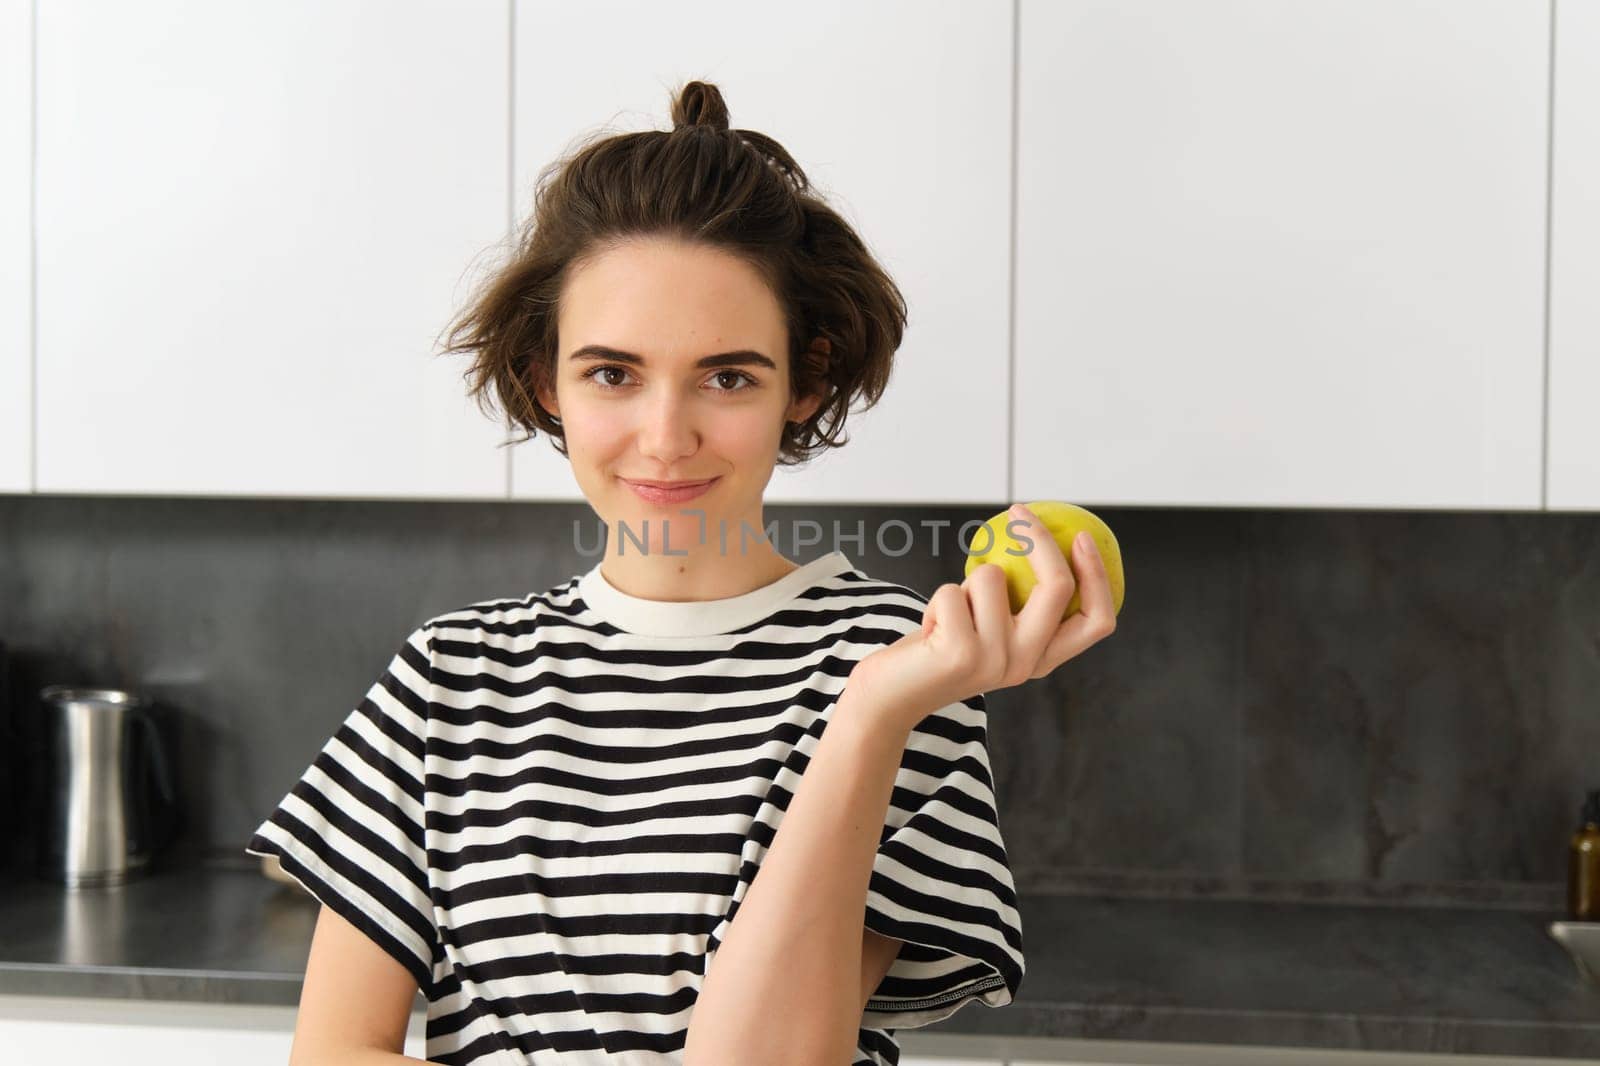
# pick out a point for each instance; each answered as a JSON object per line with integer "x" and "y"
{"x": 1063, "y": 522}
{"x": 973, "y": 641}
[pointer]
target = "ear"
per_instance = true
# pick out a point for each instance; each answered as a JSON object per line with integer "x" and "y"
{"x": 803, "y": 409}
{"x": 806, "y": 406}
{"x": 547, "y": 399}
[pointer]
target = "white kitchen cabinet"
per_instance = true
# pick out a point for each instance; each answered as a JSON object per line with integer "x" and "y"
{"x": 1284, "y": 255}
{"x": 254, "y": 221}
{"x": 1574, "y": 431}
{"x": 16, "y": 246}
{"x": 42, "y": 1029}
{"x": 899, "y": 111}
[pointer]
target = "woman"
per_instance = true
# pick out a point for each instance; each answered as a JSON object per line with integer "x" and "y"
{"x": 548, "y": 811}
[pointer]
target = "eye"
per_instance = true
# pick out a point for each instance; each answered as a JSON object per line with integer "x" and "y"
{"x": 602, "y": 369}
{"x": 593, "y": 374}
{"x": 738, "y": 375}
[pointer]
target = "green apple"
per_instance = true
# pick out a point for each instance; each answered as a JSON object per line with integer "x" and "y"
{"x": 1063, "y": 521}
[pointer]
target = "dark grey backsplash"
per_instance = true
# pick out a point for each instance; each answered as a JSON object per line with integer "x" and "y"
{"x": 1308, "y": 703}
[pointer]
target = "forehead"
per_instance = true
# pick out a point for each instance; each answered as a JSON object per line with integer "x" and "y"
{"x": 669, "y": 301}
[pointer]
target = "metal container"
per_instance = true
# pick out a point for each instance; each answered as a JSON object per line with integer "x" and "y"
{"x": 109, "y": 799}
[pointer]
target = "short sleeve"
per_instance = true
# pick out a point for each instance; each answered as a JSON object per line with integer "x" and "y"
{"x": 941, "y": 881}
{"x": 351, "y": 829}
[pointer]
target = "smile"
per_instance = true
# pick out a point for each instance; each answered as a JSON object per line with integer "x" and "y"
{"x": 670, "y": 493}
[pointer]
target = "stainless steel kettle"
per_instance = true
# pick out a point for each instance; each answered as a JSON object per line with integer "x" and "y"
{"x": 109, "y": 796}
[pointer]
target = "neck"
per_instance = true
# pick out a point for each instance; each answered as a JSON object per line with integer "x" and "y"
{"x": 672, "y": 565}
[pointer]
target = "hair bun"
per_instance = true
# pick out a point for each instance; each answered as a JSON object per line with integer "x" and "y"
{"x": 699, "y": 103}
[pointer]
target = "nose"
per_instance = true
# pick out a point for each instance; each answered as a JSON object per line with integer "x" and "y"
{"x": 666, "y": 430}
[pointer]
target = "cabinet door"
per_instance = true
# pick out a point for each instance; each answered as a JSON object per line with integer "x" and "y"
{"x": 253, "y": 222}
{"x": 900, "y": 112}
{"x": 153, "y": 1045}
{"x": 16, "y": 246}
{"x": 1574, "y": 481}
{"x": 1281, "y": 254}
{"x": 43, "y": 1029}
{"x": 141, "y": 1045}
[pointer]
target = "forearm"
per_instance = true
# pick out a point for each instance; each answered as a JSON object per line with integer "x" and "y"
{"x": 784, "y": 987}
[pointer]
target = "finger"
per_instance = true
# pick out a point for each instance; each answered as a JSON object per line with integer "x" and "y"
{"x": 1039, "y": 618}
{"x": 952, "y": 615}
{"x": 1096, "y": 602}
{"x": 1095, "y": 620}
{"x": 991, "y": 615}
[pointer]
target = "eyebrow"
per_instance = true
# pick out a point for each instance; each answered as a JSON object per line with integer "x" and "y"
{"x": 742, "y": 357}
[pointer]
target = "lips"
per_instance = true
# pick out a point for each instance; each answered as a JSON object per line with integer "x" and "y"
{"x": 669, "y": 491}
{"x": 665, "y": 484}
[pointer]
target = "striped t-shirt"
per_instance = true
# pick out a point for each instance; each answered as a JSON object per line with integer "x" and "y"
{"x": 548, "y": 809}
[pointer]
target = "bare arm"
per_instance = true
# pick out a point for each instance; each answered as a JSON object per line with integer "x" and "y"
{"x": 786, "y": 986}
{"x": 878, "y": 953}
{"x": 355, "y": 1002}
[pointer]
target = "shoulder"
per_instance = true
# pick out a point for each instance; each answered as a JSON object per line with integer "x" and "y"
{"x": 499, "y": 621}
{"x": 876, "y": 601}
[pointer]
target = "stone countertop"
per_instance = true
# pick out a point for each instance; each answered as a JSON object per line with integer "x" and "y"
{"x": 1207, "y": 971}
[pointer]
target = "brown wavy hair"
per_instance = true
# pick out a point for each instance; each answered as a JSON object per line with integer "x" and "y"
{"x": 734, "y": 190}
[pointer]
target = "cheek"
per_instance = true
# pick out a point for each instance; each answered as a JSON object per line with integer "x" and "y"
{"x": 751, "y": 432}
{"x": 590, "y": 428}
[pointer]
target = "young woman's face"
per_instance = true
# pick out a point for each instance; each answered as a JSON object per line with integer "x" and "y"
{"x": 665, "y": 416}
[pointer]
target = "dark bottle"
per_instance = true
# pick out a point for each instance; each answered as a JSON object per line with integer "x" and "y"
{"x": 1583, "y": 873}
